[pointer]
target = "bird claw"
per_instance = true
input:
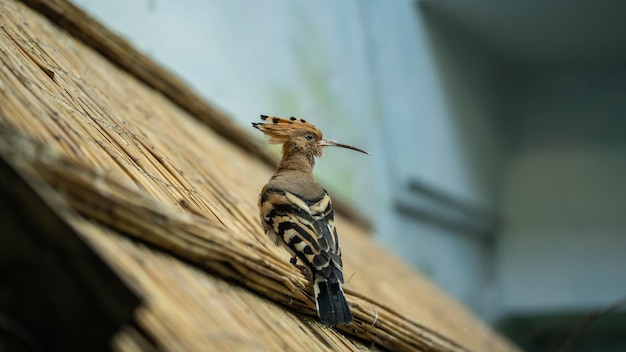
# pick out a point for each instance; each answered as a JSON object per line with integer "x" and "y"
{"x": 303, "y": 268}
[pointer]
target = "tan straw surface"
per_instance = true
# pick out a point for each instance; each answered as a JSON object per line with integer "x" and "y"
{"x": 171, "y": 205}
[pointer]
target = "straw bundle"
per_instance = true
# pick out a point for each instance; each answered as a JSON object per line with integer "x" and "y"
{"x": 135, "y": 165}
{"x": 124, "y": 207}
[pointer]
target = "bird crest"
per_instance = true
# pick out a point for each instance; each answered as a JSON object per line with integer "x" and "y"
{"x": 297, "y": 133}
{"x": 280, "y": 130}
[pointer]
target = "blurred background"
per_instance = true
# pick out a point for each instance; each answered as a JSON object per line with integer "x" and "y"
{"x": 497, "y": 131}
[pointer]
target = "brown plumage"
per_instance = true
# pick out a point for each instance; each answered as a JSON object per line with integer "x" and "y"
{"x": 297, "y": 212}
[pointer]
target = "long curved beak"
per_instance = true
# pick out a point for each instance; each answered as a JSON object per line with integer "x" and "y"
{"x": 331, "y": 143}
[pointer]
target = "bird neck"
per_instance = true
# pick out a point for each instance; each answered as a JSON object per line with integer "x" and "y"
{"x": 294, "y": 159}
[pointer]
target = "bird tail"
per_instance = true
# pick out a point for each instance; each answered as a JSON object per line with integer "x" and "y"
{"x": 332, "y": 307}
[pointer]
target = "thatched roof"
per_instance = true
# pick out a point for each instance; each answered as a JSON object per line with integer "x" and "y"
{"x": 164, "y": 188}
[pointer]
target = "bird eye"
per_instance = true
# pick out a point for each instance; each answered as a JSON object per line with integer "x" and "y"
{"x": 309, "y": 137}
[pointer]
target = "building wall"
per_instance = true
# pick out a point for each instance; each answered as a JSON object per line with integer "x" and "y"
{"x": 438, "y": 102}
{"x": 564, "y": 193}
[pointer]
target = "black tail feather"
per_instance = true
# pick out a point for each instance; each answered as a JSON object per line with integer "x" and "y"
{"x": 332, "y": 307}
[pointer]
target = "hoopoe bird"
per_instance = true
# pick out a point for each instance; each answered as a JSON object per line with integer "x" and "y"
{"x": 297, "y": 213}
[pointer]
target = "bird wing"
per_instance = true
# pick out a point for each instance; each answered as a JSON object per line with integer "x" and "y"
{"x": 306, "y": 227}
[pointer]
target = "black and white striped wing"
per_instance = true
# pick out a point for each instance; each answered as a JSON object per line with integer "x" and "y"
{"x": 306, "y": 227}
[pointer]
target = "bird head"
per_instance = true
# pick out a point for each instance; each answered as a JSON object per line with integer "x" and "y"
{"x": 297, "y": 135}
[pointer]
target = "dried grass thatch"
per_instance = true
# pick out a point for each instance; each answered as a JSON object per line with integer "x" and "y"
{"x": 136, "y": 166}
